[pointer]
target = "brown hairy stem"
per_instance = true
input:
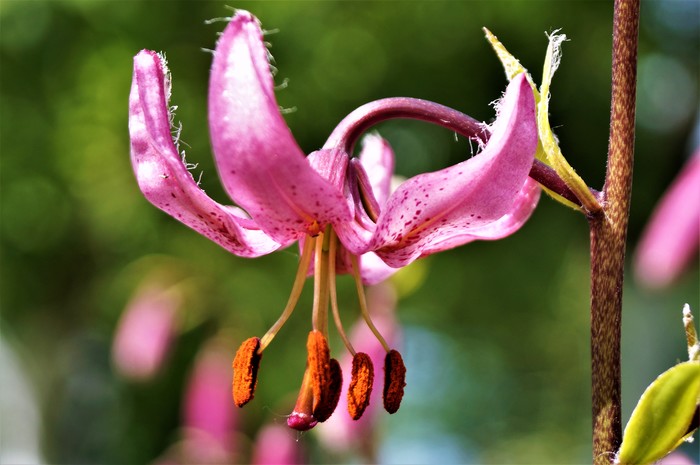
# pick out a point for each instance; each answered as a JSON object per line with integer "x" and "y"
{"x": 608, "y": 237}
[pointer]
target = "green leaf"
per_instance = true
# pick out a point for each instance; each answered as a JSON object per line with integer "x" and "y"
{"x": 511, "y": 65}
{"x": 547, "y": 145}
{"x": 661, "y": 419}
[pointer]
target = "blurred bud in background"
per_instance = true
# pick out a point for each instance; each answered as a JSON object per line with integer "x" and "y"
{"x": 277, "y": 445}
{"x": 146, "y": 329}
{"x": 209, "y": 417}
{"x": 209, "y": 420}
{"x": 669, "y": 243}
{"x": 676, "y": 458}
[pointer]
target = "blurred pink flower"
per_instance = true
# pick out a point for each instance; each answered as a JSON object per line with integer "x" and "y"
{"x": 209, "y": 422}
{"x": 670, "y": 242}
{"x": 341, "y": 432}
{"x": 676, "y": 458}
{"x": 276, "y": 445}
{"x": 145, "y": 332}
{"x": 209, "y": 417}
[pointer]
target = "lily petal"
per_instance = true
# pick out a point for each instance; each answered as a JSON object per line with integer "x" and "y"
{"x": 523, "y": 206}
{"x": 447, "y": 206}
{"x": 355, "y": 235}
{"x": 374, "y": 270}
{"x": 377, "y": 159}
{"x": 368, "y": 185}
{"x": 260, "y": 164}
{"x": 162, "y": 176}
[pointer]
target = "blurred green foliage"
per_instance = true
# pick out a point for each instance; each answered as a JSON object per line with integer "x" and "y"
{"x": 495, "y": 337}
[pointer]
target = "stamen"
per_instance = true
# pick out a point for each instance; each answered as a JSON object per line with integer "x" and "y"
{"x": 320, "y": 389}
{"x": 363, "y": 302}
{"x": 318, "y": 366}
{"x": 331, "y": 395}
{"x": 245, "y": 371}
{"x": 321, "y": 292}
{"x": 360, "y": 385}
{"x": 394, "y": 381}
{"x": 334, "y": 294}
{"x": 298, "y": 286}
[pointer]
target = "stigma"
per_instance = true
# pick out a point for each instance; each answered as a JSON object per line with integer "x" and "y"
{"x": 322, "y": 380}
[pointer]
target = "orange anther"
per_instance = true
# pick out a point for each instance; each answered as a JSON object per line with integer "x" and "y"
{"x": 319, "y": 365}
{"x": 245, "y": 371}
{"x": 331, "y": 395}
{"x": 394, "y": 381}
{"x": 360, "y": 385}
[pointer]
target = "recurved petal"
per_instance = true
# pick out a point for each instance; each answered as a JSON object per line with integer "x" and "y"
{"x": 523, "y": 206}
{"x": 164, "y": 179}
{"x": 260, "y": 164}
{"x": 446, "y": 208}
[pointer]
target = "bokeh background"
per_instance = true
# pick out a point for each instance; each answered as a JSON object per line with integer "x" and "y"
{"x": 494, "y": 335}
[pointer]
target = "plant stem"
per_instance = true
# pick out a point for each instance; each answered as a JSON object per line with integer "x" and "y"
{"x": 608, "y": 237}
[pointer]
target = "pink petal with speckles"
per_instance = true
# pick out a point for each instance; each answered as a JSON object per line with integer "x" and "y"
{"x": 164, "y": 179}
{"x": 259, "y": 162}
{"x": 440, "y": 210}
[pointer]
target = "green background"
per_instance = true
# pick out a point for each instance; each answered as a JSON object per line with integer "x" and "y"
{"x": 495, "y": 334}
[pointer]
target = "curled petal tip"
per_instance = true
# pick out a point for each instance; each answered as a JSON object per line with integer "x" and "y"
{"x": 162, "y": 175}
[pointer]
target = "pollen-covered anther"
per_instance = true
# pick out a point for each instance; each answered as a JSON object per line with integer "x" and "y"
{"x": 394, "y": 380}
{"x": 360, "y": 385}
{"x": 319, "y": 363}
{"x": 245, "y": 371}
{"x": 331, "y": 394}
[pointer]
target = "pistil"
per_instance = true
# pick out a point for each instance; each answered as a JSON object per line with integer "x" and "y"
{"x": 321, "y": 284}
{"x": 320, "y": 388}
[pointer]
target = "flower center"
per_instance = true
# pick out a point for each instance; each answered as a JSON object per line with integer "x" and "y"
{"x": 322, "y": 381}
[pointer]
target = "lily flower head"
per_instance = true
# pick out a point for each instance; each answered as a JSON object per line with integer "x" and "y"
{"x": 338, "y": 208}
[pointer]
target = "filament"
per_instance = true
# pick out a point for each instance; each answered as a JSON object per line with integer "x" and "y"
{"x": 298, "y": 286}
{"x": 321, "y": 295}
{"x": 363, "y": 302}
{"x": 334, "y": 296}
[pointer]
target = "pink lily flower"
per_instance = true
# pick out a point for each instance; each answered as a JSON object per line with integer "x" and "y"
{"x": 671, "y": 239}
{"x": 337, "y": 208}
